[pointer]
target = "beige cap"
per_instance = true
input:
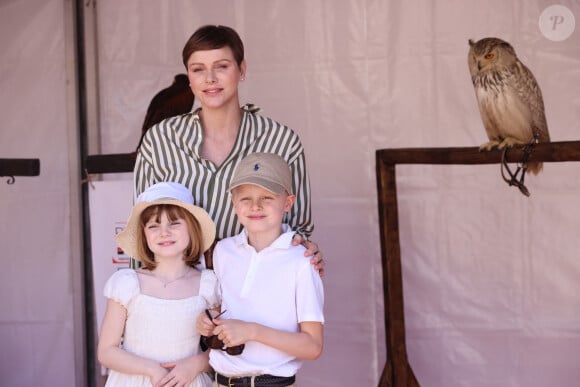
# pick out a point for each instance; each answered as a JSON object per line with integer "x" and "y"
{"x": 164, "y": 193}
{"x": 267, "y": 170}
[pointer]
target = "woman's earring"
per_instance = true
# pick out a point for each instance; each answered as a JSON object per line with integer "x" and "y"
{"x": 243, "y": 78}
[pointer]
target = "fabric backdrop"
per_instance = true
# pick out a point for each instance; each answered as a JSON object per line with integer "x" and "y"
{"x": 491, "y": 278}
{"x": 39, "y": 263}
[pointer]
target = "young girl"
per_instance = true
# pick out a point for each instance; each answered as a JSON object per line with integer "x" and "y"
{"x": 148, "y": 333}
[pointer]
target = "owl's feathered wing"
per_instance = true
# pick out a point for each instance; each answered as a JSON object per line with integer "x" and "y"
{"x": 528, "y": 105}
{"x": 529, "y": 91}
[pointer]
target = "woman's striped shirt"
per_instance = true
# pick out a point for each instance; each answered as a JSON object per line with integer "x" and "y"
{"x": 171, "y": 150}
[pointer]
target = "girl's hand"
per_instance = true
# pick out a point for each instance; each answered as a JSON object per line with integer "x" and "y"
{"x": 204, "y": 325}
{"x": 182, "y": 372}
{"x": 158, "y": 374}
{"x": 311, "y": 251}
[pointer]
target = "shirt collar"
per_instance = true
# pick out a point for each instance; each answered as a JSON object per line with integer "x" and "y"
{"x": 247, "y": 108}
{"x": 284, "y": 241}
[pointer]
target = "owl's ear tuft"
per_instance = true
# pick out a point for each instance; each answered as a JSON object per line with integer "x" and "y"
{"x": 471, "y": 42}
{"x": 506, "y": 45}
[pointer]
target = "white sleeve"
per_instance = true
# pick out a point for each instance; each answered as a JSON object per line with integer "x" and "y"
{"x": 209, "y": 288}
{"x": 122, "y": 286}
{"x": 309, "y": 294}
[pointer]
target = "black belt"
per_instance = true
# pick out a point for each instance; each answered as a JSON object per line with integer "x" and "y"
{"x": 259, "y": 381}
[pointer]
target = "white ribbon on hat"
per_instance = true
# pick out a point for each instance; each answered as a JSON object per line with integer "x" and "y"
{"x": 166, "y": 190}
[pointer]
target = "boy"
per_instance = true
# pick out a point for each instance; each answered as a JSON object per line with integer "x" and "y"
{"x": 272, "y": 297}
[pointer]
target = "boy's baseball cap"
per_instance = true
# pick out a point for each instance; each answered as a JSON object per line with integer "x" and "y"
{"x": 266, "y": 170}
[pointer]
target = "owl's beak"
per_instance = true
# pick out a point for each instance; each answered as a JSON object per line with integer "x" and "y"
{"x": 479, "y": 65}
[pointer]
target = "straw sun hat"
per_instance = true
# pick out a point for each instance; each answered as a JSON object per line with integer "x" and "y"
{"x": 164, "y": 193}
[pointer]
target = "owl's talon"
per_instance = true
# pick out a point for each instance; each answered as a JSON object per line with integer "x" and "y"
{"x": 488, "y": 145}
{"x": 508, "y": 142}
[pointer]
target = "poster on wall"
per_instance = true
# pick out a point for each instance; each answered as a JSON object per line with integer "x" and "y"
{"x": 109, "y": 205}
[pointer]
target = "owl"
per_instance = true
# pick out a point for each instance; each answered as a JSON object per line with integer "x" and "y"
{"x": 171, "y": 101}
{"x": 509, "y": 98}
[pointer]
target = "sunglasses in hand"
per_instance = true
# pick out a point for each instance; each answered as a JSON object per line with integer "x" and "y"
{"x": 214, "y": 342}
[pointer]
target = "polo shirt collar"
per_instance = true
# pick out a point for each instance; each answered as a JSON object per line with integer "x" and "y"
{"x": 284, "y": 241}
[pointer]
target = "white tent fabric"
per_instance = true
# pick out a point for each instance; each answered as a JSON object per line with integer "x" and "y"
{"x": 490, "y": 276}
{"x": 37, "y": 287}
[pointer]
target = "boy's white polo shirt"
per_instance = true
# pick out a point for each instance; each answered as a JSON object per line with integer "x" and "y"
{"x": 277, "y": 287}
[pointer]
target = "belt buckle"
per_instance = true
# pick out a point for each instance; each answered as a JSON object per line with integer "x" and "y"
{"x": 230, "y": 383}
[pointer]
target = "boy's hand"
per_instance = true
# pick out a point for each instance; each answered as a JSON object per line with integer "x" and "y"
{"x": 233, "y": 332}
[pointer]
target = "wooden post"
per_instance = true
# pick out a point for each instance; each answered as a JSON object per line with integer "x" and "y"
{"x": 397, "y": 371}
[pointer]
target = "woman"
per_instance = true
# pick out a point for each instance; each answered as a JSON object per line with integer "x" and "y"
{"x": 201, "y": 149}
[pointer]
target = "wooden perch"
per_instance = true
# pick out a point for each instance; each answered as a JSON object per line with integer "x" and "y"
{"x": 19, "y": 167}
{"x": 397, "y": 370}
{"x": 111, "y": 163}
{"x": 547, "y": 151}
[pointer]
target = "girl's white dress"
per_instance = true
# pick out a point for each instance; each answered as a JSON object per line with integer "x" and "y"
{"x": 159, "y": 329}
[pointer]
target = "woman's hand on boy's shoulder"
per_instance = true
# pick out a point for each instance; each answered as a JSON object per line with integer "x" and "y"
{"x": 312, "y": 251}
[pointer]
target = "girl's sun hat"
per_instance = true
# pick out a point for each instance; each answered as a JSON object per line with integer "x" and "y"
{"x": 164, "y": 193}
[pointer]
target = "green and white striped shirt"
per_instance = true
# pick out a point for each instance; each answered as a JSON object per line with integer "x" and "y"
{"x": 171, "y": 149}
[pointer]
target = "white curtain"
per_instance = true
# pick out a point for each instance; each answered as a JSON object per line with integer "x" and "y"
{"x": 39, "y": 265}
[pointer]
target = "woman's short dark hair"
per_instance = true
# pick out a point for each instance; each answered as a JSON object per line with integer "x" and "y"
{"x": 212, "y": 37}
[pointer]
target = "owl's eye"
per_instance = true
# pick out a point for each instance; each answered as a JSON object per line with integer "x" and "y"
{"x": 489, "y": 56}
